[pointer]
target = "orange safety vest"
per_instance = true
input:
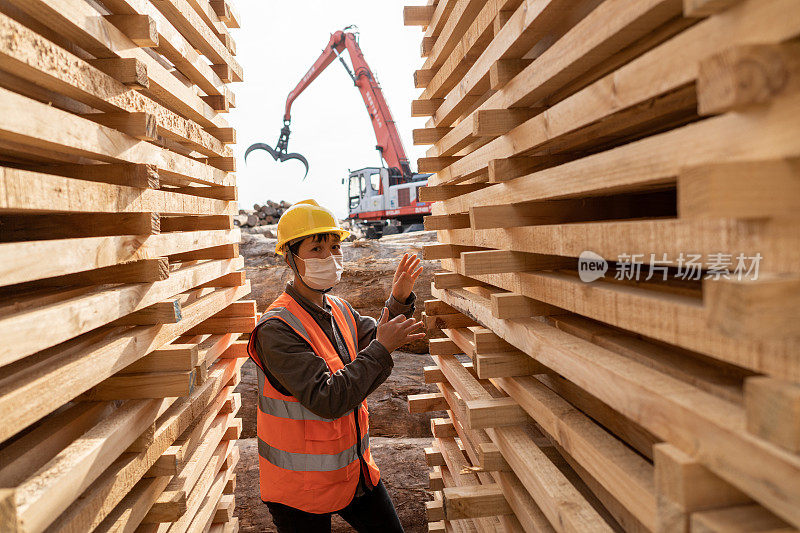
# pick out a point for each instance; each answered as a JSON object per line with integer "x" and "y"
{"x": 306, "y": 461}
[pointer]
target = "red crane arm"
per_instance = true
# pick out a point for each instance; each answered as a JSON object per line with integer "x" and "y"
{"x": 389, "y": 143}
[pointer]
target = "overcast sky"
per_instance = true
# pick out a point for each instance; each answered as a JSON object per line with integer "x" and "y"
{"x": 276, "y": 45}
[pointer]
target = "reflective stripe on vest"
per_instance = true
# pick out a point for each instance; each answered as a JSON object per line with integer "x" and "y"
{"x": 306, "y": 462}
{"x": 283, "y": 408}
{"x": 287, "y": 316}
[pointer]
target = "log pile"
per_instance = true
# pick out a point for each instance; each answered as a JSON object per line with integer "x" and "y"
{"x": 261, "y": 215}
{"x": 616, "y": 197}
{"x": 121, "y": 282}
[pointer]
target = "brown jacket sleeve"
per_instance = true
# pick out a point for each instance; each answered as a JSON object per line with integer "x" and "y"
{"x": 290, "y": 359}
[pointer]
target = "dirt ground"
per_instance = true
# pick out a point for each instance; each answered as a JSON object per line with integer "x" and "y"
{"x": 397, "y": 438}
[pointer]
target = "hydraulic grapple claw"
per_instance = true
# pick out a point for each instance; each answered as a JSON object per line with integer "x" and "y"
{"x": 279, "y": 153}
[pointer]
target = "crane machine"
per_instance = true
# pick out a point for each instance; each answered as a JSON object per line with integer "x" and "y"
{"x": 381, "y": 200}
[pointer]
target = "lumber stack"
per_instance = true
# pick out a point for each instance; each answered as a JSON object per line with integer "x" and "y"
{"x": 121, "y": 282}
{"x": 616, "y": 198}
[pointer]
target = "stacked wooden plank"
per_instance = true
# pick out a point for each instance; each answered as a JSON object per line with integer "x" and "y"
{"x": 617, "y": 191}
{"x": 121, "y": 282}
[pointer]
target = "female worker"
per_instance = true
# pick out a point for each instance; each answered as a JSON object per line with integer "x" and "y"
{"x": 317, "y": 362}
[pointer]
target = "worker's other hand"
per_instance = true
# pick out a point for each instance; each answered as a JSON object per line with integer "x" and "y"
{"x": 398, "y": 331}
{"x": 405, "y": 276}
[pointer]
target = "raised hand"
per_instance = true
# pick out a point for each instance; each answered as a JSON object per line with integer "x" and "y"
{"x": 398, "y": 331}
{"x": 405, "y": 276}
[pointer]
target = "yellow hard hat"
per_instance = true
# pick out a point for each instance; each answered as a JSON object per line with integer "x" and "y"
{"x": 306, "y": 218}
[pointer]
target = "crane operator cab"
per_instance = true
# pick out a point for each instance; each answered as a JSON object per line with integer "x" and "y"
{"x": 383, "y": 204}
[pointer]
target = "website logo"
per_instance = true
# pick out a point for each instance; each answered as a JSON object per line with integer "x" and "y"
{"x": 591, "y": 266}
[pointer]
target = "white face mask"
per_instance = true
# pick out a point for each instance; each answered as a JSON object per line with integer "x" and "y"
{"x": 322, "y": 273}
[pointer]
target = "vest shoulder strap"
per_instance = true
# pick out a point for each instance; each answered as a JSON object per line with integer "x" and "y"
{"x": 343, "y": 315}
{"x": 285, "y": 315}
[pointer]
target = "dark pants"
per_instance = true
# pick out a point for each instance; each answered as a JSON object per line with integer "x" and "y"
{"x": 370, "y": 512}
